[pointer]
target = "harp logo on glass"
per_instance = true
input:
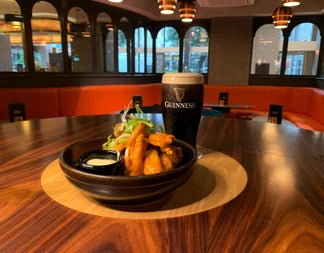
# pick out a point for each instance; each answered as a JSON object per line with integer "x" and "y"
{"x": 179, "y": 94}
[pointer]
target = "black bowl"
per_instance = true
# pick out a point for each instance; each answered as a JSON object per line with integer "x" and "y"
{"x": 119, "y": 189}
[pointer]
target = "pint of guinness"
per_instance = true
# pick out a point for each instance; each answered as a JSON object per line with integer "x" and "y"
{"x": 182, "y": 102}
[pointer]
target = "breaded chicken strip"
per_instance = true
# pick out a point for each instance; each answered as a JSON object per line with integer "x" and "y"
{"x": 140, "y": 129}
{"x": 120, "y": 147}
{"x": 136, "y": 146}
{"x": 172, "y": 158}
{"x": 153, "y": 163}
{"x": 134, "y": 162}
{"x": 161, "y": 140}
{"x": 166, "y": 161}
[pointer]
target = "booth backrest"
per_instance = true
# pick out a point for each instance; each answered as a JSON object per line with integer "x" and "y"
{"x": 309, "y": 101}
{"x": 260, "y": 97}
{"x": 316, "y": 106}
{"x": 103, "y": 99}
{"x": 39, "y": 102}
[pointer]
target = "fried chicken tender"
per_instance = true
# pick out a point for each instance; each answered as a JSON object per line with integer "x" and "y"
{"x": 172, "y": 158}
{"x": 140, "y": 129}
{"x": 134, "y": 162}
{"x": 161, "y": 140}
{"x": 150, "y": 154}
{"x": 120, "y": 147}
{"x": 136, "y": 145}
{"x": 153, "y": 163}
{"x": 118, "y": 129}
{"x": 166, "y": 161}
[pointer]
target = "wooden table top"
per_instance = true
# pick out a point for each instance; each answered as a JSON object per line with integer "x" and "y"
{"x": 281, "y": 209}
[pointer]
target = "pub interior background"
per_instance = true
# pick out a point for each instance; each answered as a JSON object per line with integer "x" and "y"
{"x": 61, "y": 43}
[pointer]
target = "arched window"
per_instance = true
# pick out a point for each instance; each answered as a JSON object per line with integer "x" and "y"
{"x": 195, "y": 50}
{"x": 47, "y": 43}
{"x": 79, "y": 40}
{"x": 139, "y": 41}
{"x": 110, "y": 55}
{"x": 122, "y": 52}
{"x": 167, "y": 50}
{"x": 143, "y": 50}
{"x": 267, "y": 50}
{"x": 12, "y": 55}
{"x": 149, "y": 52}
{"x": 105, "y": 43}
{"x": 303, "y": 50}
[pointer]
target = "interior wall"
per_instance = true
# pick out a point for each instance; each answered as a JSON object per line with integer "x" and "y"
{"x": 5, "y": 56}
{"x": 230, "y": 50}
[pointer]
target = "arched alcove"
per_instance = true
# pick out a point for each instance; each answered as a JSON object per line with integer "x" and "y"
{"x": 79, "y": 40}
{"x": 46, "y": 35}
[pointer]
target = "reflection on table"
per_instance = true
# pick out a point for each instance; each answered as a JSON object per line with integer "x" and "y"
{"x": 227, "y": 107}
{"x": 265, "y": 120}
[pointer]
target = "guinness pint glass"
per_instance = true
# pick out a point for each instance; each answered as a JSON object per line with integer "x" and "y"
{"x": 182, "y": 102}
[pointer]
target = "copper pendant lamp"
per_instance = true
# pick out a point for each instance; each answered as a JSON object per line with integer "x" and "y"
{"x": 187, "y": 11}
{"x": 290, "y": 3}
{"x": 281, "y": 17}
{"x": 167, "y": 7}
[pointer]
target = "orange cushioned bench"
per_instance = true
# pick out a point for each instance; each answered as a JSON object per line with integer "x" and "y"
{"x": 39, "y": 102}
{"x": 103, "y": 99}
{"x": 302, "y": 106}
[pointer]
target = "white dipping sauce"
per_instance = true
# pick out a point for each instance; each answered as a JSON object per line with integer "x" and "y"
{"x": 100, "y": 161}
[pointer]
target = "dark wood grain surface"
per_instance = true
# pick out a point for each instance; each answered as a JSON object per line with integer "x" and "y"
{"x": 280, "y": 210}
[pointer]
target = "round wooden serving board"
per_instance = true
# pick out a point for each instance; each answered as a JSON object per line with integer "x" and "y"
{"x": 216, "y": 180}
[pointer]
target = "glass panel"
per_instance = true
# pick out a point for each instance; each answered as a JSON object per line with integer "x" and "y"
{"x": 267, "y": 50}
{"x": 105, "y": 43}
{"x": 303, "y": 50}
{"x": 195, "y": 50}
{"x": 167, "y": 50}
{"x": 142, "y": 58}
{"x": 12, "y": 56}
{"x": 46, "y": 32}
{"x": 139, "y": 50}
{"x": 149, "y": 52}
{"x": 79, "y": 41}
{"x": 109, "y": 56}
{"x": 122, "y": 52}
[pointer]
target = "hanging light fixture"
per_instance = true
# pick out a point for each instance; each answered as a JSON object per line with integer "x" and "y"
{"x": 187, "y": 10}
{"x": 115, "y": 1}
{"x": 167, "y": 7}
{"x": 16, "y": 20}
{"x": 110, "y": 27}
{"x": 281, "y": 17}
{"x": 290, "y": 3}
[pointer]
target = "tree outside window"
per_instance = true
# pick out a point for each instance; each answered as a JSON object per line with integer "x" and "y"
{"x": 267, "y": 51}
{"x": 303, "y": 50}
{"x": 122, "y": 52}
{"x": 167, "y": 50}
{"x": 195, "y": 50}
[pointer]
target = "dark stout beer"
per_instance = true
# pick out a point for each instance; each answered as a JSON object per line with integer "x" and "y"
{"x": 182, "y": 102}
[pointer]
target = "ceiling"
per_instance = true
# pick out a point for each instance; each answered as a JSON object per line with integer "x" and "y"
{"x": 207, "y": 9}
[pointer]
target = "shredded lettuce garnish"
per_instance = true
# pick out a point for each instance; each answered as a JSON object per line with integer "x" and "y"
{"x": 129, "y": 122}
{"x": 112, "y": 141}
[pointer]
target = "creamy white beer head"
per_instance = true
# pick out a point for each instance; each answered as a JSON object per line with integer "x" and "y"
{"x": 183, "y": 78}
